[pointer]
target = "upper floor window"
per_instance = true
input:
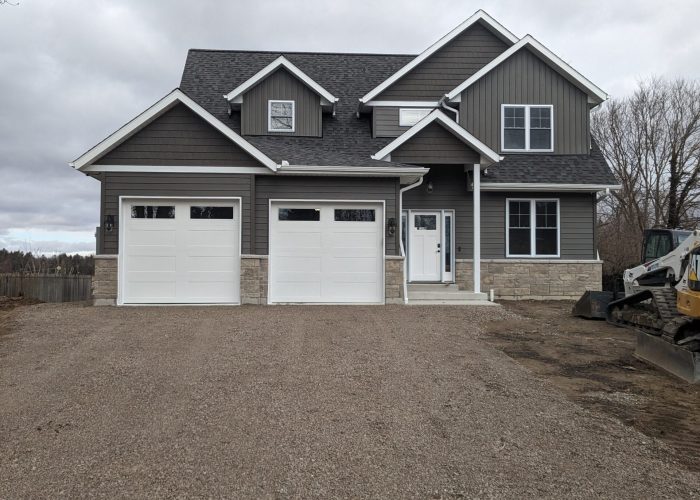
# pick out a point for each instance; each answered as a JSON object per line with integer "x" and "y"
{"x": 410, "y": 116}
{"x": 280, "y": 116}
{"x": 527, "y": 128}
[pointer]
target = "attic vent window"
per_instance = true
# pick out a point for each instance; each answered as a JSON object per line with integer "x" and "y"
{"x": 280, "y": 116}
{"x": 410, "y": 116}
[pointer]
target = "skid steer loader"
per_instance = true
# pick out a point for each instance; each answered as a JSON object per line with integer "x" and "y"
{"x": 662, "y": 302}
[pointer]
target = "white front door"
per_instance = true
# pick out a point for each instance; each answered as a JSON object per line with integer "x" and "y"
{"x": 326, "y": 252}
{"x": 180, "y": 251}
{"x": 425, "y": 252}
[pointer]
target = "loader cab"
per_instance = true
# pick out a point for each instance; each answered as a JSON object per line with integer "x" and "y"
{"x": 659, "y": 242}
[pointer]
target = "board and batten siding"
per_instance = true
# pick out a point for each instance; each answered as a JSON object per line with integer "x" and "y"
{"x": 178, "y": 137}
{"x": 525, "y": 79}
{"x": 448, "y": 67}
{"x": 323, "y": 188}
{"x": 281, "y": 85}
{"x": 116, "y": 184}
{"x": 435, "y": 144}
{"x": 577, "y": 215}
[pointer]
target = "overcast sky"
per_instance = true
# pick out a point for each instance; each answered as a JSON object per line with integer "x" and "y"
{"x": 72, "y": 72}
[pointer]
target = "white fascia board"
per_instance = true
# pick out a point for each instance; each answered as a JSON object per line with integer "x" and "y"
{"x": 280, "y": 62}
{"x": 439, "y": 116}
{"x": 351, "y": 171}
{"x": 529, "y": 41}
{"x": 541, "y": 186}
{"x": 156, "y": 110}
{"x": 479, "y": 15}
{"x": 404, "y": 104}
{"x": 177, "y": 169}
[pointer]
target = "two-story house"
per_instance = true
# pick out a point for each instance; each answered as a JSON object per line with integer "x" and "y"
{"x": 288, "y": 177}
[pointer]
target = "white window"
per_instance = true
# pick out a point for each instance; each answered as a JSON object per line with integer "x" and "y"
{"x": 532, "y": 228}
{"x": 410, "y": 116}
{"x": 527, "y": 128}
{"x": 280, "y": 116}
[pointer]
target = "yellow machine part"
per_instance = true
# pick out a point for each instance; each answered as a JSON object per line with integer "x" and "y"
{"x": 688, "y": 303}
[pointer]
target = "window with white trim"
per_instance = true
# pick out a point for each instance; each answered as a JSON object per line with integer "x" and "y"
{"x": 532, "y": 228}
{"x": 527, "y": 128}
{"x": 410, "y": 116}
{"x": 280, "y": 116}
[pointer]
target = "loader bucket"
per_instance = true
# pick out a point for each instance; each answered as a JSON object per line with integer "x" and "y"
{"x": 593, "y": 305}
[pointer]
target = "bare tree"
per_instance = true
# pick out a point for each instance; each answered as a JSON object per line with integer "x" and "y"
{"x": 651, "y": 140}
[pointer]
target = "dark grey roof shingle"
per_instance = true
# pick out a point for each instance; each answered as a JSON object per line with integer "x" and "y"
{"x": 347, "y": 139}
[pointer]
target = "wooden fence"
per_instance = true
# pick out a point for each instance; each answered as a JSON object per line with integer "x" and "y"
{"x": 46, "y": 287}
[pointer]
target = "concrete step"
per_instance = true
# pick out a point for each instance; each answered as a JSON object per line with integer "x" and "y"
{"x": 474, "y": 302}
{"x": 429, "y": 287}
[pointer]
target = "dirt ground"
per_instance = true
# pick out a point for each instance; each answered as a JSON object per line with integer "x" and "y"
{"x": 305, "y": 402}
{"x": 592, "y": 362}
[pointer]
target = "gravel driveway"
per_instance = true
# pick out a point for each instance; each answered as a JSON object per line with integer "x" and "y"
{"x": 298, "y": 402}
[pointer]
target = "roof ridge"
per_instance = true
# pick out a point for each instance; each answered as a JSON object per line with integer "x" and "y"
{"x": 300, "y": 52}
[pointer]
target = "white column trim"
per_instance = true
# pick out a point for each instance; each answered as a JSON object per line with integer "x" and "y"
{"x": 477, "y": 227}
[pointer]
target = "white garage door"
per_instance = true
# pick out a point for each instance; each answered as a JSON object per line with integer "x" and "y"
{"x": 180, "y": 251}
{"x": 326, "y": 252}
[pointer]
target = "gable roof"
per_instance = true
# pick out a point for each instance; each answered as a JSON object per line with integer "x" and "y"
{"x": 438, "y": 116}
{"x": 153, "y": 112}
{"x": 281, "y": 62}
{"x": 479, "y": 16}
{"x": 595, "y": 93}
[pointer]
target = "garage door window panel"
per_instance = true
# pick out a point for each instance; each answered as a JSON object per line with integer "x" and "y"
{"x": 299, "y": 214}
{"x": 152, "y": 212}
{"x": 354, "y": 215}
{"x": 200, "y": 212}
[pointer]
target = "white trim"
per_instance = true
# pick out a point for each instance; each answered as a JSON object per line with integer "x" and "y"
{"x": 351, "y": 171}
{"x": 477, "y": 227}
{"x": 527, "y": 108}
{"x": 121, "y": 255}
{"x": 544, "y": 186}
{"x": 533, "y": 229}
{"x": 154, "y": 112}
{"x": 528, "y": 40}
{"x": 269, "y": 115}
{"x": 409, "y": 123}
{"x": 479, "y": 15}
{"x": 270, "y": 201}
{"x": 404, "y": 104}
{"x": 451, "y": 125}
{"x": 188, "y": 169}
{"x": 283, "y": 62}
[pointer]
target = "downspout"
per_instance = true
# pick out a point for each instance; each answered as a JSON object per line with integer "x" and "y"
{"x": 444, "y": 106}
{"x": 403, "y": 250}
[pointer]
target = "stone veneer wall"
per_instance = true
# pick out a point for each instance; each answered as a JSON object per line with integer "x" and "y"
{"x": 517, "y": 279}
{"x": 254, "y": 279}
{"x": 104, "y": 282}
{"x": 393, "y": 280}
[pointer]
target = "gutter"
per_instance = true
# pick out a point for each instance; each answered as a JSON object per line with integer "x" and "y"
{"x": 403, "y": 250}
{"x": 443, "y": 105}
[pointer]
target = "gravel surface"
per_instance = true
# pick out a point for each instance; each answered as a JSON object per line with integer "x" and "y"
{"x": 298, "y": 402}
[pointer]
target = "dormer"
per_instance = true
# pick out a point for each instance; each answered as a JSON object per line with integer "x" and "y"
{"x": 281, "y": 99}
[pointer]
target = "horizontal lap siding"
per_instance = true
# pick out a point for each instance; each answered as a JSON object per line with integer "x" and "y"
{"x": 577, "y": 223}
{"x": 525, "y": 79}
{"x": 385, "y": 122}
{"x": 449, "y": 193}
{"x": 178, "y": 137}
{"x": 448, "y": 67}
{"x": 116, "y": 184}
{"x": 281, "y": 85}
{"x": 435, "y": 144}
{"x": 322, "y": 188}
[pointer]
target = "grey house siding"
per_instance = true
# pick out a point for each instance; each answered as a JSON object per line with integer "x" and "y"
{"x": 178, "y": 137}
{"x": 577, "y": 215}
{"x": 448, "y": 67}
{"x": 281, "y": 85}
{"x": 525, "y": 79}
{"x": 435, "y": 144}
{"x": 385, "y": 122}
{"x": 322, "y": 188}
{"x": 577, "y": 223}
{"x": 116, "y": 184}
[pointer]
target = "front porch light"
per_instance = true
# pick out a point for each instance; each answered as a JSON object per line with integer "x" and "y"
{"x": 429, "y": 187}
